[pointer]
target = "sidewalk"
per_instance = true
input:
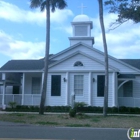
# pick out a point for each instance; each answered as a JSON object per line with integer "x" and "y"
{"x": 56, "y": 113}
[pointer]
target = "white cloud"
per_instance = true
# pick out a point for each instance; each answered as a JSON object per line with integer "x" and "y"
{"x": 15, "y": 14}
{"x": 17, "y": 49}
{"x": 123, "y": 42}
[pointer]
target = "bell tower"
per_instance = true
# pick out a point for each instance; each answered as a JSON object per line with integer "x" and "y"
{"x": 82, "y": 26}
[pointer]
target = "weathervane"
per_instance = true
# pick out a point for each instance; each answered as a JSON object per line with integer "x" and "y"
{"x": 82, "y": 8}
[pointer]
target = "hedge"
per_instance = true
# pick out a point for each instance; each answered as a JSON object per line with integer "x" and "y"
{"x": 88, "y": 109}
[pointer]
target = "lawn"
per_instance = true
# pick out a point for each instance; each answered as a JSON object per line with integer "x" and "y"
{"x": 79, "y": 121}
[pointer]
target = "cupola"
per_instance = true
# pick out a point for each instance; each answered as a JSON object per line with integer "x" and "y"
{"x": 82, "y": 26}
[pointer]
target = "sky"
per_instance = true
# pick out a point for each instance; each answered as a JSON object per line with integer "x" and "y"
{"x": 23, "y": 30}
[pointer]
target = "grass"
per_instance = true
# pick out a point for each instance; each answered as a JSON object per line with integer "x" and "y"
{"x": 79, "y": 121}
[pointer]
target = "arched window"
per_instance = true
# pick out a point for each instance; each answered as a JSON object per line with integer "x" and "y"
{"x": 78, "y": 63}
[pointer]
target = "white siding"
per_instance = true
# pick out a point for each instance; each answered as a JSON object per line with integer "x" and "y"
{"x": 88, "y": 63}
{"x": 95, "y": 53}
{"x": 98, "y": 101}
{"x": 56, "y": 100}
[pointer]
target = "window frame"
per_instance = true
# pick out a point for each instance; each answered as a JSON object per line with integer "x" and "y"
{"x": 77, "y": 86}
{"x": 54, "y": 87}
{"x": 100, "y": 85}
{"x": 78, "y": 64}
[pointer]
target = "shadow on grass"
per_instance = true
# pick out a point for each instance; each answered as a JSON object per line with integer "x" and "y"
{"x": 78, "y": 125}
{"x": 47, "y": 123}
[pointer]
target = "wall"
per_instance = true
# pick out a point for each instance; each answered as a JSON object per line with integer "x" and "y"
{"x": 98, "y": 101}
{"x": 56, "y": 100}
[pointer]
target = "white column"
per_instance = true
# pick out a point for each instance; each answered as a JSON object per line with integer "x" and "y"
{"x": 116, "y": 97}
{"x": 67, "y": 88}
{"x": 114, "y": 82}
{"x": 89, "y": 86}
{"x": 23, "y": 88}
{"x": 42, "y": 87}
{"x": 42, "y": 77}
{"x": 4, "y": 88}
{"x": 3, "y": 95}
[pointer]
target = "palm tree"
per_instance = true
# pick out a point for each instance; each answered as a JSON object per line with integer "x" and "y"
{"x": 106, "y": 58}
{"x": 46, "y": 4}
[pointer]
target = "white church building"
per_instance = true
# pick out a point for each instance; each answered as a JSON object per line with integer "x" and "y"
{"x": 78, "y": 70}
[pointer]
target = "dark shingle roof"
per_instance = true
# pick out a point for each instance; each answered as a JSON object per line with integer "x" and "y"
{"x": 133, "y": 62}
{"x": 39, "y": 64}
{"x": 24, "y": 65}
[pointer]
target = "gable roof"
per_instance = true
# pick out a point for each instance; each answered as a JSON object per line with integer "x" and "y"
{"x": 100, "y": 52}
{"x": 39, "y": 64}
{"x": 84, "y": 54}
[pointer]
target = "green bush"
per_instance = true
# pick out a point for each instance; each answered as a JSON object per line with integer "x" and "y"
{"x": 12, "y": 104}
{"x": 72, "y": 113}
{"x": 81, "y": 108}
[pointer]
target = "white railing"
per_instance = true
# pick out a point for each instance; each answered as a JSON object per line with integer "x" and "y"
{"x": 32, "y": 99}
{"x": 28, "y": 99}
{"x": 129, "y": 101}
{"x": 12, "y": 98}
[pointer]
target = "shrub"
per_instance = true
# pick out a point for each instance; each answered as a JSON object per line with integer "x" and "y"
{"x": 123, "y": 109}
{"x": 72, "y": 113}
{"x": 12, "y": 104}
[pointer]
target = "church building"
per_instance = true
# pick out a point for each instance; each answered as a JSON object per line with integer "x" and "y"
{"x": 78, "y": 70}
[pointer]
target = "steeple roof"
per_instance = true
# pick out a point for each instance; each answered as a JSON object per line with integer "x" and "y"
{"x": 81, "y": 18}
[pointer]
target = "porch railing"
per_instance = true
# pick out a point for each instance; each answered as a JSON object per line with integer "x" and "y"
{"x": 32, "y": 99}
{"x": 12, "y": 98}
{"x": 28, "y": 99}
{"x": 129, "y": 101}
{"x": 0, "y": 99}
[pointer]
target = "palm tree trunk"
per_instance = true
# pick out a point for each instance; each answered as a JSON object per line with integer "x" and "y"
{"x": 106, "y": 58}
{"x": 46, "y": 60}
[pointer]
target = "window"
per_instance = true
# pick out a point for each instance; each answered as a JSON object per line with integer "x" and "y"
{"x": 16, "y": 89}
{"x": 78, "y": 63}
{"x": 128, "y": 89}
{"x": 100, "y": 85}
{"x": 81, "y": 31}
{"x": 78, "y": 84}
{"x": 56, "y": 85}
{"x": 36, "y": 85}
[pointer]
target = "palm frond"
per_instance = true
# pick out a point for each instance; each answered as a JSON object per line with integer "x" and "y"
{"x": 35, "y": 3}
{"x": 60, "y": 4}
{"x": 43, "y": 6}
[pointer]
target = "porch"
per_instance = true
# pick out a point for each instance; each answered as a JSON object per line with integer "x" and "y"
{"x": 129, "y": 90}
{"x": 22, "y": 88}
